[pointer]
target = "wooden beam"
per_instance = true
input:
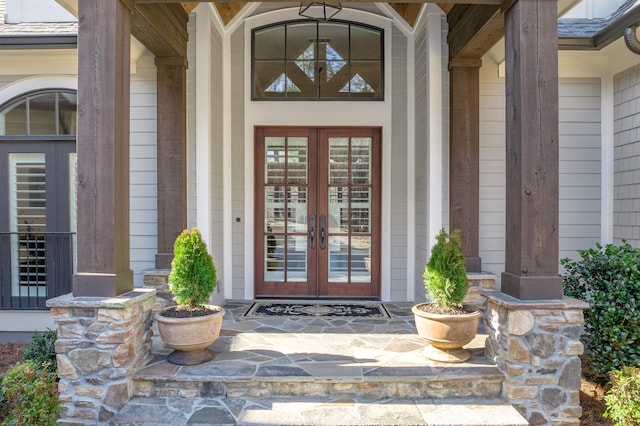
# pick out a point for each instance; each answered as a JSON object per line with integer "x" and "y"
{"x": 172, "y": 155}
{"x": 161, "y": 28}
{"x": 464, "y": 157}
{"x": 490, "y": 2}
{"x": 103, "y": 268}
{"x": 473, "y": 30}
{"x": 532, "y": 160}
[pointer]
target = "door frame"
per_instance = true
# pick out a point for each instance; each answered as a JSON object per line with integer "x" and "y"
{"x": 318, "y": 264}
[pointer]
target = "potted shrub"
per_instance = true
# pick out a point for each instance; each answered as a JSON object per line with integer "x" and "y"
{"x": 445, "y": 323}
{"x": 192, "y": 325}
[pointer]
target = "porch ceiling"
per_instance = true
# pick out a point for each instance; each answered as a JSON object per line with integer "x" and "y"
{"x": 407, "y": 9}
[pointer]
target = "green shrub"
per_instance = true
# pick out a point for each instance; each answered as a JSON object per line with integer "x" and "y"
{"x": 42, "y": 349}
{"x": 31, "y": 396}
{"x": 445, "y": 275}
{"x": 193, "y": 275}
{"x": 623, "y": 399}
{"x": 609, "y": 280}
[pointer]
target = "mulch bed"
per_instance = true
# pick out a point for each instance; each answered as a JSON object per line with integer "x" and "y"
{"x": 591, "y": 394}
{"x": 10, "y": 353}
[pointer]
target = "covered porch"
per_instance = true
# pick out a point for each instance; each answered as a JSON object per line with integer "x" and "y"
{"x": 531, "y": 289}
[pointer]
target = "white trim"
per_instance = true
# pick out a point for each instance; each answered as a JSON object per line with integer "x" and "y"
{"x": 373, "y": 113}
{"x": 435, "y": 169}
{"x": 28, "y": 321}
{"x": 227, "y": 191}
{"x": 203, "y": 126}
{"x": 31, "y": 84}
{"x": 411, "y": 170}
{"x": 397, "y": 19}
{"x": 607, "y": 158}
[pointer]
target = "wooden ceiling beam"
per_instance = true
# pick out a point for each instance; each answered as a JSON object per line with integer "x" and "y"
{"x": 161, "y": 28}
{"x": 473, "y": 30}
{"x": 487, "y": 2}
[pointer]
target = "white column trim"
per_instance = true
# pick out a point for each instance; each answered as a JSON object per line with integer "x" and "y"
{"x": 435, "y": 169}
{"x": 607, "y": 157}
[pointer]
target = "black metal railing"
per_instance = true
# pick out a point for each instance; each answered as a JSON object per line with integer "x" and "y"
{"x": 34, "y": 267}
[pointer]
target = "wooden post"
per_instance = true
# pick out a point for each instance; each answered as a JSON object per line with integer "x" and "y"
{"x": 103, "y": 148}
{"x": 172, "y": 154}
{"x": 531, "y": 253}
{"x": 464, "y": 156}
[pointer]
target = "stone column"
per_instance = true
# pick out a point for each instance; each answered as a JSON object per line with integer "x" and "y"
{"x": 101, "y": 343}
{"x": 536, "y": 345}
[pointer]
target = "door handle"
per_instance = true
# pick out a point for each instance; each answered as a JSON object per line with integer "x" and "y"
{"x": 323, "y": 231}
{"x": 312, "y": 231}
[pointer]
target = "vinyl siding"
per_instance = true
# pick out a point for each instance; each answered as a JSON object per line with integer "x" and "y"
{"x": 579, "y": 128}
{"x": 237, "y": 160}
{"x": 398, "y": 167}
{"x": 143, "y": 176}
{"x": 626, "y": 215}
{"x": 421, "y": 157}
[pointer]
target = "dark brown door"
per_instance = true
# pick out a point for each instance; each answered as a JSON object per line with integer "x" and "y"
{"x": 317, "y": 212}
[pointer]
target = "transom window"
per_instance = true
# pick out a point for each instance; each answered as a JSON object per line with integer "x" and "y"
{"x": 307, "y": 60}
{"x": 49, "y": 112}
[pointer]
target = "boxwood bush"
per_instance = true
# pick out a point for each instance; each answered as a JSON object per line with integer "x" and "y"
{"x": 623, "y": 399}
{"x": 30, "y": 395}
{"x": 42, "y": 349}
{"x": 608, "y": 278}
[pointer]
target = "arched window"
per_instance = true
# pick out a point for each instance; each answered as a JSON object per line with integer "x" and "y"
{"x": 309, "y": 60}
{"x": 45, "y": 112}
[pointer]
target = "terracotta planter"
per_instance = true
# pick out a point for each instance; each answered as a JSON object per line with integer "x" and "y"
{"x": 190, "y": 337}
{"x": 446, "y": 334}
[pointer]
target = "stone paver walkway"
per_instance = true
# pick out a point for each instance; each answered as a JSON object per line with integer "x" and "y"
{"x": 319, "y": 371}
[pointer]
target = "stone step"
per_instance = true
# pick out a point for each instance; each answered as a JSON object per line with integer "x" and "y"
{"x": 265, "y": 373}
{"x": 316, "y": 411}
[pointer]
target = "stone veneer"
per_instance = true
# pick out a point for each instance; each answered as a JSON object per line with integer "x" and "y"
{"x": 536, "y": 345}
{"x": 102, "y": 342}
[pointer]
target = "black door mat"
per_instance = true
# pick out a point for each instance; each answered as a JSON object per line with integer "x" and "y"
{"x": 318, "y": 310}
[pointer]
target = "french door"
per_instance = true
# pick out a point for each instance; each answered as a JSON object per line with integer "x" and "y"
{"x": 317, "y": 204}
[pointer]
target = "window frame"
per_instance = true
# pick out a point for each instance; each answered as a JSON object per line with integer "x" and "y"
{"x": 349, "y": 97}
{"x": 26, "y": 97}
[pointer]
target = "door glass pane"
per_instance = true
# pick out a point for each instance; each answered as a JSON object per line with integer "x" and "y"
{"x": 360, "y": 210}
{"x": 338, "y": 160}
{"x": 274, "y": 204}
{"x": 297, "y": 209}
{"x": 361, "y": 161}
{"x": 297, "y": 157}
{"x": 339, "y": 259}
{"x": 338, "y": 221}
{"x": 275, "y": 158}
{"x": 274, "y": 262}
{"x": 27, "y": 218}
{"x": 360, "y": 259}
{"x": 297, "y": 258}
{"x": 42, "y": 114}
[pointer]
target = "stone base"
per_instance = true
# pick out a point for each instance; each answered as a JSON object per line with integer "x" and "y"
{"x": 101, "y": 342}
{"x": 536, "y": 345}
